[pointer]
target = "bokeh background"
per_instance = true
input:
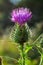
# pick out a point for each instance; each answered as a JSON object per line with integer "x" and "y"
{"x": 7, "y": 48}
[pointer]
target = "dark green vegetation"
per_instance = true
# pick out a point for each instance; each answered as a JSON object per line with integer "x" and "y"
{"x": 9, "y": 52}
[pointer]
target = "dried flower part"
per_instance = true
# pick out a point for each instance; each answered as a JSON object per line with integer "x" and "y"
{"x": 21, "y": 15}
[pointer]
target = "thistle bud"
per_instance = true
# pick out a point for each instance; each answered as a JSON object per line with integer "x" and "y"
{"x": 20, "y": 34}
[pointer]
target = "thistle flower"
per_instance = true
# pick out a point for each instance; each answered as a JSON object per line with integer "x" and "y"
{"x": 20, "y": 32}
{"x": 21, "y": 15}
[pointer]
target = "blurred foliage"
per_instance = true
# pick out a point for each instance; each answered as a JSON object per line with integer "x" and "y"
{"x": 33, "y": 53}
{"x": 8, "y": 50}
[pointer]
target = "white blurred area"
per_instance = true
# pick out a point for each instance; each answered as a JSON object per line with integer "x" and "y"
{"x": 15, "y": 2}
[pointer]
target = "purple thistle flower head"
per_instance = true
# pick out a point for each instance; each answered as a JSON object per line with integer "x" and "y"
{"x": 21, "y": 15}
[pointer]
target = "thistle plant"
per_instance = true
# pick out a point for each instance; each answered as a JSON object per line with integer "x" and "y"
{"x": 20, "y": 32}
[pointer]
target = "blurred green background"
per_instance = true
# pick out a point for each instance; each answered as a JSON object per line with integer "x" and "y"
{"x": 8, "y": 50}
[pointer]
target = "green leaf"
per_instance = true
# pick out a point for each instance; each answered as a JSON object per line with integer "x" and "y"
{"x": 27, "y": 48}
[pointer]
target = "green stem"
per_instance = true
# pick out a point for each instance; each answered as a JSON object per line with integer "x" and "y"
{"x": 41, "y": 61}
{"x": 0, "y": 61}
{"x": 23, "y": 55}
{"x": 37, "y": 38}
